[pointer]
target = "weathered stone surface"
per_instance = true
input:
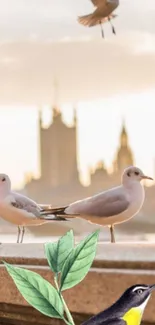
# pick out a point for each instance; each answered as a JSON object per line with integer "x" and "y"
{"x": 115, "y": 268}
{"x": 15, "y": 315}
{"x": 119, "y": 255}
{"x": 28, "y": 315}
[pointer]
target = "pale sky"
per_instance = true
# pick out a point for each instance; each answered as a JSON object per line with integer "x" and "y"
{"x": 111, "y": 78}
{"x": 99, "y": 125}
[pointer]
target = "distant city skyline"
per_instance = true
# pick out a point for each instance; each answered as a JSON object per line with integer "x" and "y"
{"x": 99, "y": 126}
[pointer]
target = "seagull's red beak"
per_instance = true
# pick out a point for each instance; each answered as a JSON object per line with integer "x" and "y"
{"x": 147, "y": 177}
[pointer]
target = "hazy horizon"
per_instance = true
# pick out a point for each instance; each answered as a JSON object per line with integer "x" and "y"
{"x": 41, "y": 40}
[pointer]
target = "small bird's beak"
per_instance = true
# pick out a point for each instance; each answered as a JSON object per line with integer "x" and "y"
{"x": 147, "y": 177}
{"x": 152, "y": 287}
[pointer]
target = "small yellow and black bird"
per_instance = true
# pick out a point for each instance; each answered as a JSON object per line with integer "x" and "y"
{"x": 127, "y": 310}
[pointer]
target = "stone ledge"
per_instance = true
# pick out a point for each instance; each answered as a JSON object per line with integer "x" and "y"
{"x": 102, "y": 286}
{"x": 15, "y": 315}
{"x": 28, "y": 315}
{"x": 119, "y": 255}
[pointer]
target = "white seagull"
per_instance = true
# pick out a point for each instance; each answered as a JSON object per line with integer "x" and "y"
{"x": 101, "y": 14}
{"x": 113, "y": 206}
{"x": 33, "y": 213}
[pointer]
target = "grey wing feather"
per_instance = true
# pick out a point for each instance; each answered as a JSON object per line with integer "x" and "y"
{"x": 23, "y": 202}
{"x": 43, "y": 212}
{"x": 106, "y": 204}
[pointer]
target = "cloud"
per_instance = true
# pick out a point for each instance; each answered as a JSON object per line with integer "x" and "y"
{"x": 43, "y": 39}
{"x": 85, "y": 70}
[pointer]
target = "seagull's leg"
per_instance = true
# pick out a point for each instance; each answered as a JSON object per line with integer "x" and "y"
{"x": 112, "y": 234}
{"x": 113, "y": 28}
{"x": 102, "y": 31}
{"x": 18, "y": 235}
{"x": 23, "y": 232}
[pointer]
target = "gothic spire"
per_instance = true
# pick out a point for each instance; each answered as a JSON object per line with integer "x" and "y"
{"x": 55, "y": 92}
{"x": 40, "y": 118}
{"x": 75, "y": 116}
{"x": 124, "y": 136}
{"x": 55, "y": 109}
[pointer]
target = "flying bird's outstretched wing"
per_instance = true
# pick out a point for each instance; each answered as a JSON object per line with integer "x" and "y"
{"x": 98, "y": 3}
{"x": 101, "y": 14}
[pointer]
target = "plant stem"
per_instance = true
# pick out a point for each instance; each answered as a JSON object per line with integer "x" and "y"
{"x": 65, "y": 320}
{"x": 56, "y": 281}
{"x": 69, "y": 316}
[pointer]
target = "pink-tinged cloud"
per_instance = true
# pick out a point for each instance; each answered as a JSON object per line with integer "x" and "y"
{"x": 85, "y": 70}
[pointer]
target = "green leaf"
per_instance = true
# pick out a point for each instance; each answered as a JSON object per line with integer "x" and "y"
{"x": 37, "y": 291}
{"x": 79, "y": 262}
{"x": 57, "y": 253}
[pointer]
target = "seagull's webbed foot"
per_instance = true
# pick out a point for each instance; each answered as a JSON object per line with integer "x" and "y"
{"x": 112, "y": 234}
{"x": 18, "y": 234}
{"x": 22, "y": 236}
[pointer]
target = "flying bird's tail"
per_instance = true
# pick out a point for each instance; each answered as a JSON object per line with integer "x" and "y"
{"x": 91, "y": 20}
{"x": 88, "y": 20}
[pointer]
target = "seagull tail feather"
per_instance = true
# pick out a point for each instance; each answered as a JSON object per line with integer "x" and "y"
{"x": 88, "y": 20}
{"x": 55, "y": 211}
{"x": 52, "y": 217}
{"x": 55, "y": 214}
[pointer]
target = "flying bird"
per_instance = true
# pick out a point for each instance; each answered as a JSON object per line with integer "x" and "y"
{"x": 111, "y": 207}
{"x": 127, "y": 310}
{"x": 102, "y": 13}
{"x": 32, "y": 213}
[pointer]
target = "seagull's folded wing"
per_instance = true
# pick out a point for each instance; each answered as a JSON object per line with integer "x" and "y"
{"x": 23, "y": 202}
{"x": 18, "y": 217}
{"x": 105, "y": 204}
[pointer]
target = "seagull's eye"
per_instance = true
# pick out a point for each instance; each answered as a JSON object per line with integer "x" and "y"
{"x": 3, "y": 179}
{"x": 136, "y": 173}
{"x": 128, "y": 174}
